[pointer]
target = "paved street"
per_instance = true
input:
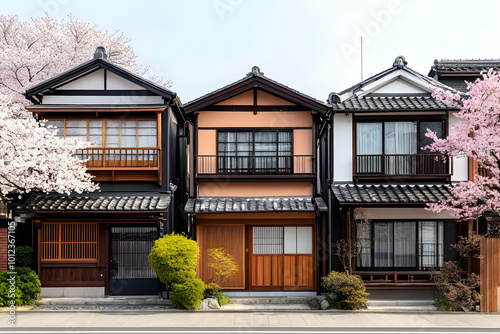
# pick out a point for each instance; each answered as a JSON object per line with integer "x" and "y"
{"x": 321, "y": 321}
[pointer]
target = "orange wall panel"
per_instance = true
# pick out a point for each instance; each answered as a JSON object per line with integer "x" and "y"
{"x": 266, "y": 99}
{"x": 207, "y": 142}
{"x": 302, "y": 142}
{"x": 243, "y": 99}
{"x": 254, "y": 189}
{"x": 247, "y": 119}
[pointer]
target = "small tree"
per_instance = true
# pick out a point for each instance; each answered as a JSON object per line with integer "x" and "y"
{"x": 174, "y": 258}
{"x": 456, "y": 290}
{"x": 222, "y": 263}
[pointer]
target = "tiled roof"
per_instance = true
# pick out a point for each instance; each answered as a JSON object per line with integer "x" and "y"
{"x": 468, "y": 65}
{"x": 256, "y": 72}
{"x": 389, "y": 103}
{"x": 254, "y": 204}
{"x": 391, "y": 194}
{"x": 130, "y": 203}
{"x": 399, "y": 64}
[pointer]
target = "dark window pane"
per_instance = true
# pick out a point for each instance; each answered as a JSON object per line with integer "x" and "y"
{"x": 423, "y": 140}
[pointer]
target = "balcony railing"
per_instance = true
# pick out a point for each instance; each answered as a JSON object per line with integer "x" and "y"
{"x": 117, "y": 158}
{"x": 256, "y": 165}
{"x": 421, "y": 165}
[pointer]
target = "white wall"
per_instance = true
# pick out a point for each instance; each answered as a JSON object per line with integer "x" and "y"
{"x": 120, "y": 100}
{"x": 404, "y": 213}
{"x": 114, "y": 81}
{"x": 342, "y": 133}
{"x": 460, "y": 165}
{"x": 399, "y": 86}
{"x": 93, "y": 80}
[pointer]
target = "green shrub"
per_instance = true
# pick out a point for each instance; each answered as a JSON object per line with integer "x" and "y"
{"x": 24, "y": 256}
{"x": 27, "y": 288}
{"x": 29, "y": 284}
{"x": 174, "y": 258}
{"x": 221, "y": 298}
{"x": 211, "y": 289}
{"x": 443, "y": 304}
{"x": 188, "y": 294}
{"x": 214, "y": 291}
{"x": 348, "y": 291}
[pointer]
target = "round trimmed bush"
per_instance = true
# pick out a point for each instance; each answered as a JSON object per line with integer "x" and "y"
{"x": 348, "y": 292}
{"x": 174, "y": 258}
{"x": 187, "y": 295}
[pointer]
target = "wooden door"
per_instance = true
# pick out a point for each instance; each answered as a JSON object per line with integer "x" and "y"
{"x": 232, "y": 239}
{"x": 282, "y": 258}
{"x": 266, "y": 258}
{"x": 490, "y": 275}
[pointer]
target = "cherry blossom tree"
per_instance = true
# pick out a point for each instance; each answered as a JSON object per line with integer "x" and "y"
{"x": 477, "y": 137}
{"x": 33, "y": 51}
{"x": 33, "y": 158}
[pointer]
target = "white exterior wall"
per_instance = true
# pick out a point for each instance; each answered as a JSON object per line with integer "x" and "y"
{"x": 399, "y": 86}
{"x": 120, "y": 100}
{"x": 460, "y": 165}
{"x": 342, "y": 151}
{"x": 114, "y": 81}
{"x": 404, "y": 213}
{"x": 93, "y": 81}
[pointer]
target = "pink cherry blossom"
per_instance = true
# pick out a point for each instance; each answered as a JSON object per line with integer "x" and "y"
{"x": 477, "y": 137}
{"x": 31, "y": 52}
{"x": 33, "y": 158}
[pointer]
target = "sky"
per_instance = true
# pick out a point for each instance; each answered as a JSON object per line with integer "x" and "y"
{"x": 313, "y": 46}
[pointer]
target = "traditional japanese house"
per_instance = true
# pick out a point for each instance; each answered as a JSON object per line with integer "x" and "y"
{"x": 95, "y": 244}
{"x": 254, "y": 183}
{"x": 456, "y": 73}
{"x": 381, "y": 178}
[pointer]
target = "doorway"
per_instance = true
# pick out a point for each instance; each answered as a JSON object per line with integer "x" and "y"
{"x": 130, "y": 272}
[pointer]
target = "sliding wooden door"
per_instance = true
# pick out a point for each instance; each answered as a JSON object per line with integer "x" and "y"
{"x": 282, "y": 258}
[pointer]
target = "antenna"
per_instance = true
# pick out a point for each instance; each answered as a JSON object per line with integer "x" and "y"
{"x": 361, "y": 58}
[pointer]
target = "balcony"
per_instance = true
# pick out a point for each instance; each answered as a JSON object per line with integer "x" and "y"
{"x": 122, "y": 164}
{"x": 402, "y": 166}
{"x": 256, "y": 165}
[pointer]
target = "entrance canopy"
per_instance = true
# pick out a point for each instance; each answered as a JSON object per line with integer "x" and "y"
{"x": 255, "y": 204}
{"x": 364, "y": 194}
{"x": 129, "y": 203}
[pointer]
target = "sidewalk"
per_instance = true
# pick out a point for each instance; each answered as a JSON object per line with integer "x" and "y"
{"x": 321, "y": 319}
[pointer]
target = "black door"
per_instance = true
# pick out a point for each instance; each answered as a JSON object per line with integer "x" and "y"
{"x": 130, "y": 273}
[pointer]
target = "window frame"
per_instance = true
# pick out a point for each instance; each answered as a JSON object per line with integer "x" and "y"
{"x": 418, "y": 256}
{"x": 386, "y": 119}
{"x": 103, "y": 121}
{"x": 56, "y": 240}
{"x": 253, "y": 131}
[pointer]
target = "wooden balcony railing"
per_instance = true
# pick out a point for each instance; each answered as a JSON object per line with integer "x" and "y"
{"x": 256, "y": 165}
{"x": 120, "y": 158}
{"x": 421, "y": 165}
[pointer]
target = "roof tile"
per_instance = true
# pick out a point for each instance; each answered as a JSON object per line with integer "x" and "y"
{"x": 63, "y": 203}
{"x": 385, "y": 194}
{"x": 255, "y": 204}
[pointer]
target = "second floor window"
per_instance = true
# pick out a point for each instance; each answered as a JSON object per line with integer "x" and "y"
{"x": 396, "y": 147}
{"x": 109, "y": 133}
{"x": 255, "y": 152}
